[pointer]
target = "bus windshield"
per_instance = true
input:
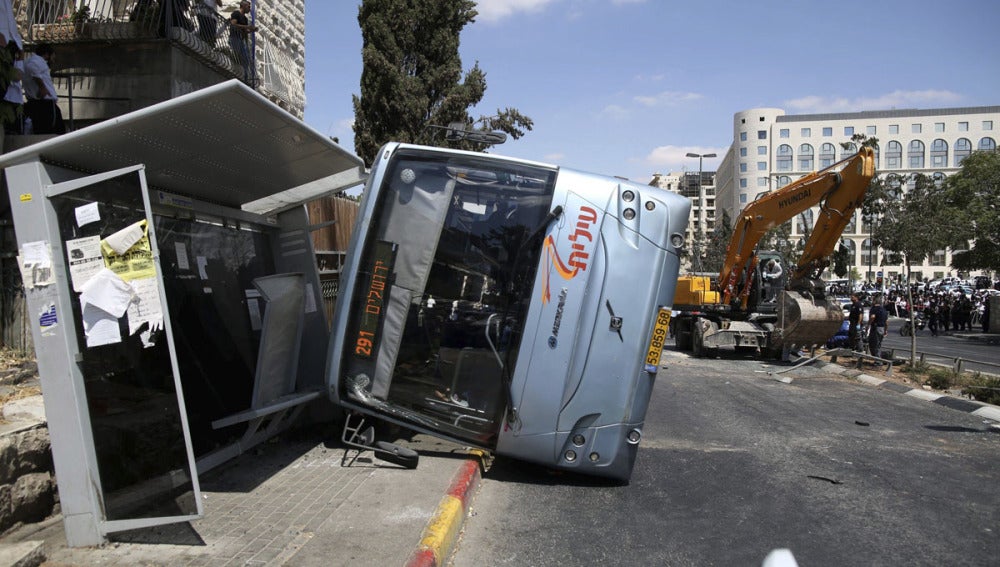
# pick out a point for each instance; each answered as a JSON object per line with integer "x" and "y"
{"x": 445, "y": 281}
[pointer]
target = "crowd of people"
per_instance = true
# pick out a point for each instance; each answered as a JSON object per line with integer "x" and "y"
{"x": 943, "y": 309}
{"x": 26, "y": 81}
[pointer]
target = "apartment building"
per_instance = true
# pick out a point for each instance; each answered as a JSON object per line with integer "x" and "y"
{"x": 771, "y": 148}
{"x": 701, "y": 191}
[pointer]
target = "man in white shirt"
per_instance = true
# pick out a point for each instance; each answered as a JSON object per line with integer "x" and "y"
{"x": 42, "y": 106}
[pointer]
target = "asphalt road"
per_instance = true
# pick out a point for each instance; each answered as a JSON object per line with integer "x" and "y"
{"x": 734, "y": 464}
{"x": 946, "y": 347}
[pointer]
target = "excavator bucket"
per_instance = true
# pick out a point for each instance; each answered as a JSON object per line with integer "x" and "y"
{"x": 806, "y": 321}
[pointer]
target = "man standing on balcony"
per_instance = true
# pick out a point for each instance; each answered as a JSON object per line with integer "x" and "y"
{"x": 42, "y": 106}
{"x": 239, "y": 33}
{"x": 208, "y": 19}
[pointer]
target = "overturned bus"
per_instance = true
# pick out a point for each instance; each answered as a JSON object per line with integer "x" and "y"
{"x": 510, "y": 305}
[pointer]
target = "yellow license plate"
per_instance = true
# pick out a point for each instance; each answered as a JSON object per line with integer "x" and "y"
{"x": 657, "y": 340}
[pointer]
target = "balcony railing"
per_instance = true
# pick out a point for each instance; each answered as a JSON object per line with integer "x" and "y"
{"x": 204, "y": 35}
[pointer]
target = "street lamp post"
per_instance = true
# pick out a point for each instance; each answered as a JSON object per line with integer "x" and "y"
{"x": 701, "y": 209}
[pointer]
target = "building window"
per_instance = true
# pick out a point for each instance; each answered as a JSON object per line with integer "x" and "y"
{"x": 870, "y": 130}
{"x": 849, "y": 151}
{"x": 784, "y": 133}
{"x": 743, "y": 136}
{"x": 760, "y": 195}
{"x": 761, "y": 182}
{"x": 938, "y": 178}
{"x": 963, "y": 126}
{"x": 761, "y": 166}
{"x": 804, "y": 221}
{"x": 762, "y": 150}
{"x": 939, "y": 153}
{"x": 761, "y": 134}
{"x": 987, "y": 124}
{"x": 806, "y": 132}
{"x": 848, "y": 130}
{"x": 743, "y": 184}
{"x": 894, "y": 155}
{"x": 939, "y": 126}
{"x": 963, "y": 147}
{"x": 784, "y": 159}
{"x": 783, "y": 180}
{"x": 916, "y": 128}
{"x": 827, "y": 155}
{"x": 987, "y": 144}
{"x": 743, "y": 167}
{"x": 915, "y": 154}
{"x": 805, "y": 157}
{"x": 743, "y": 196}
{"x": 894, "y": 128}
{"x": 827, "y": 131}
{"x": 743, "y": 152}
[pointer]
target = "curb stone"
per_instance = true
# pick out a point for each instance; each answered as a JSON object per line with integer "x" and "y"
{"x": 441, "y": 534}
{"x": 980, "y": 409}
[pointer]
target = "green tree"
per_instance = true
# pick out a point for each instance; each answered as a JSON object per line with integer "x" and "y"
{"x": 412, "y": 77}
{"x": 913, "y": 228}
{"x": 718, "y": 242}
{"x": 972, "y": 198}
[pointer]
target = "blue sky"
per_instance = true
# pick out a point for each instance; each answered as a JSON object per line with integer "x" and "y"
{"x": 627, "y": 87}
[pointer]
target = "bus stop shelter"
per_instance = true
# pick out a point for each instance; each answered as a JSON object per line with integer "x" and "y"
{"x": 172, "y": 288}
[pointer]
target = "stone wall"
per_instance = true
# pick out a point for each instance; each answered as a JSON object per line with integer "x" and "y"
{"x": 27, "y": 484}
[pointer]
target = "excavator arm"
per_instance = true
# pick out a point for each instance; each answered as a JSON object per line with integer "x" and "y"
{"x": 838, "y": 189}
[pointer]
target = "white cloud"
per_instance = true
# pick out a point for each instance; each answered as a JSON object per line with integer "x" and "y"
{"x": 667, "y": 98}
{"x": 492, "y": 11}
{"x": 554, "y": 157}
{"x": 614, "y": 112}
{"x": 895, "y": 99}
{"x": 674, "y": 158}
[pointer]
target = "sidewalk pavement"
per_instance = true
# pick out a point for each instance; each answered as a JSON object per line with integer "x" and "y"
{"x": 291, "y": 501}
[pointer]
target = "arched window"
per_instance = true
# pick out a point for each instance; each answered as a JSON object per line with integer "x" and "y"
{"x": 894, "y": 186}
{"x": 783, "y": 180}
{"x": 827, "y": 154}
{"x": 784, "y": 158}
{"x": 867, "y": 252}
{"x": 987, "y": 144}
{"x": 939, "y": 153}
{"x": 894, "y": 155}
{"x": 915, "y": 154}
{"x": 938, "y": 178}
{"x": 806, "y": 157}
{"x": 804, "y": 221}
{"x": 852, "y": 251}
{"x": 963, "y": 147}
{"x": 849, "y": 151}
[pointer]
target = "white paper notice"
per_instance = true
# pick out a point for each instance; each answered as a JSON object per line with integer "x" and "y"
{"x": 105, "y": 290}
{"x": 147, "y": 309}
{"x": 85, "y": 259}
{"x": 122, "y": 240}
{"x": 100, "y": 327}
{"x": 37, "y": 254}
{"x": 202, "y": 263}
{"x": 87, "y": 214}
{"x": 310, "y": 299}
{"x": 182, "y": 256}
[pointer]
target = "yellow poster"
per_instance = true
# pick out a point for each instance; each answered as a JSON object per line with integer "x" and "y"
{"x": 127, "y": 253}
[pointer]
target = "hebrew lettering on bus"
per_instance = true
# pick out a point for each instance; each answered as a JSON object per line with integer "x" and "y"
{"x": 579, "y": 257}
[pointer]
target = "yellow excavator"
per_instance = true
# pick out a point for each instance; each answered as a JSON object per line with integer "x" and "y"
{"x": 741, "y": 308}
